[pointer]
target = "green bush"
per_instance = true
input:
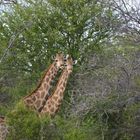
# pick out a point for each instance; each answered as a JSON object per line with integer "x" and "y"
{"x": 23, "y": 123}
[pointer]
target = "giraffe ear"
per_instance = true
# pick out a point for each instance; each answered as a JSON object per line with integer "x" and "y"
{"x": 67, "y": 56}
{"x": 75, "y": 62}
{"x": 53, "y": 57}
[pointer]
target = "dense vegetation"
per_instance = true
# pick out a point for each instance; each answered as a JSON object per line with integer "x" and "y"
{"x": 102, "y": 97}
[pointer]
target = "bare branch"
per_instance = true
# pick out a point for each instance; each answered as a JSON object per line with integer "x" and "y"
{"x": 13, "y": 38}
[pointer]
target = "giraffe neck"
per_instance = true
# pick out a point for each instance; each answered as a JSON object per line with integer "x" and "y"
{"x": 53, "y": 103}
{"x": 39, "y": 96}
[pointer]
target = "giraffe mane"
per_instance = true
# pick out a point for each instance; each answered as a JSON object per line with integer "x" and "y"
{"x": 40, "y": 81}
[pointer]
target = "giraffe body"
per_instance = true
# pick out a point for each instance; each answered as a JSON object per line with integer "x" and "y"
{"x": 3, "y": 129}
{"x": 38, "y": 97}
{"x": 54, "y": 101}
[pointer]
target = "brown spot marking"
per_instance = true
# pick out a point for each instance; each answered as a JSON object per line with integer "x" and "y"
{"x": 57, "y": 91}
{"x": 57, "y": 110}
{"x": 47, "y": 79}
{"x": 57, "y": 105}
{"x": 48, "y": 102}
{"x": 55, "y": 71}
{"x": 62, "y": 88}
{"x": 61, "y": 93}
{"x": 52, "y": 102}
{"x": 59, "y": 101}
{"x": 52, "y": 70}
{"x": 47, "y": 96}
{"x": 52, "y": 75}
{"x": 33, "y": 98}
{"x": 45, "y": 110}
{"x": 45, "y": 84}
{"x": 52, "y": 109}
{"x": 37, "y": 103}
{"x": 43, "y": 102}
{"x": 38, "y": 94}
{"x": 28, "y": 101}
{"x": 42, "y": 94}
{"x": 55, "y": 98}
{"x": 41, "y": 88}
{"x": 60, "y": 83}
{"x": 49, "y": 105}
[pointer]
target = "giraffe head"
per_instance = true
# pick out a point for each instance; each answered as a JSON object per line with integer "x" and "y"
{"x": 59, "y": 59}
{"x": 69, "y": 64}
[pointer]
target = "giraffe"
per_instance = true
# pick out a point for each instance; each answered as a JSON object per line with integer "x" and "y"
{"x": 3, "y": 129}
{"x": 36, "y": 100}
{"x": 54, "y": 101}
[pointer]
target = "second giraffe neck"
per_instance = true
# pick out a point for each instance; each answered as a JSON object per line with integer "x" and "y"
{"x": 61, "y": 83}
{"x": 53, "y": 103}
